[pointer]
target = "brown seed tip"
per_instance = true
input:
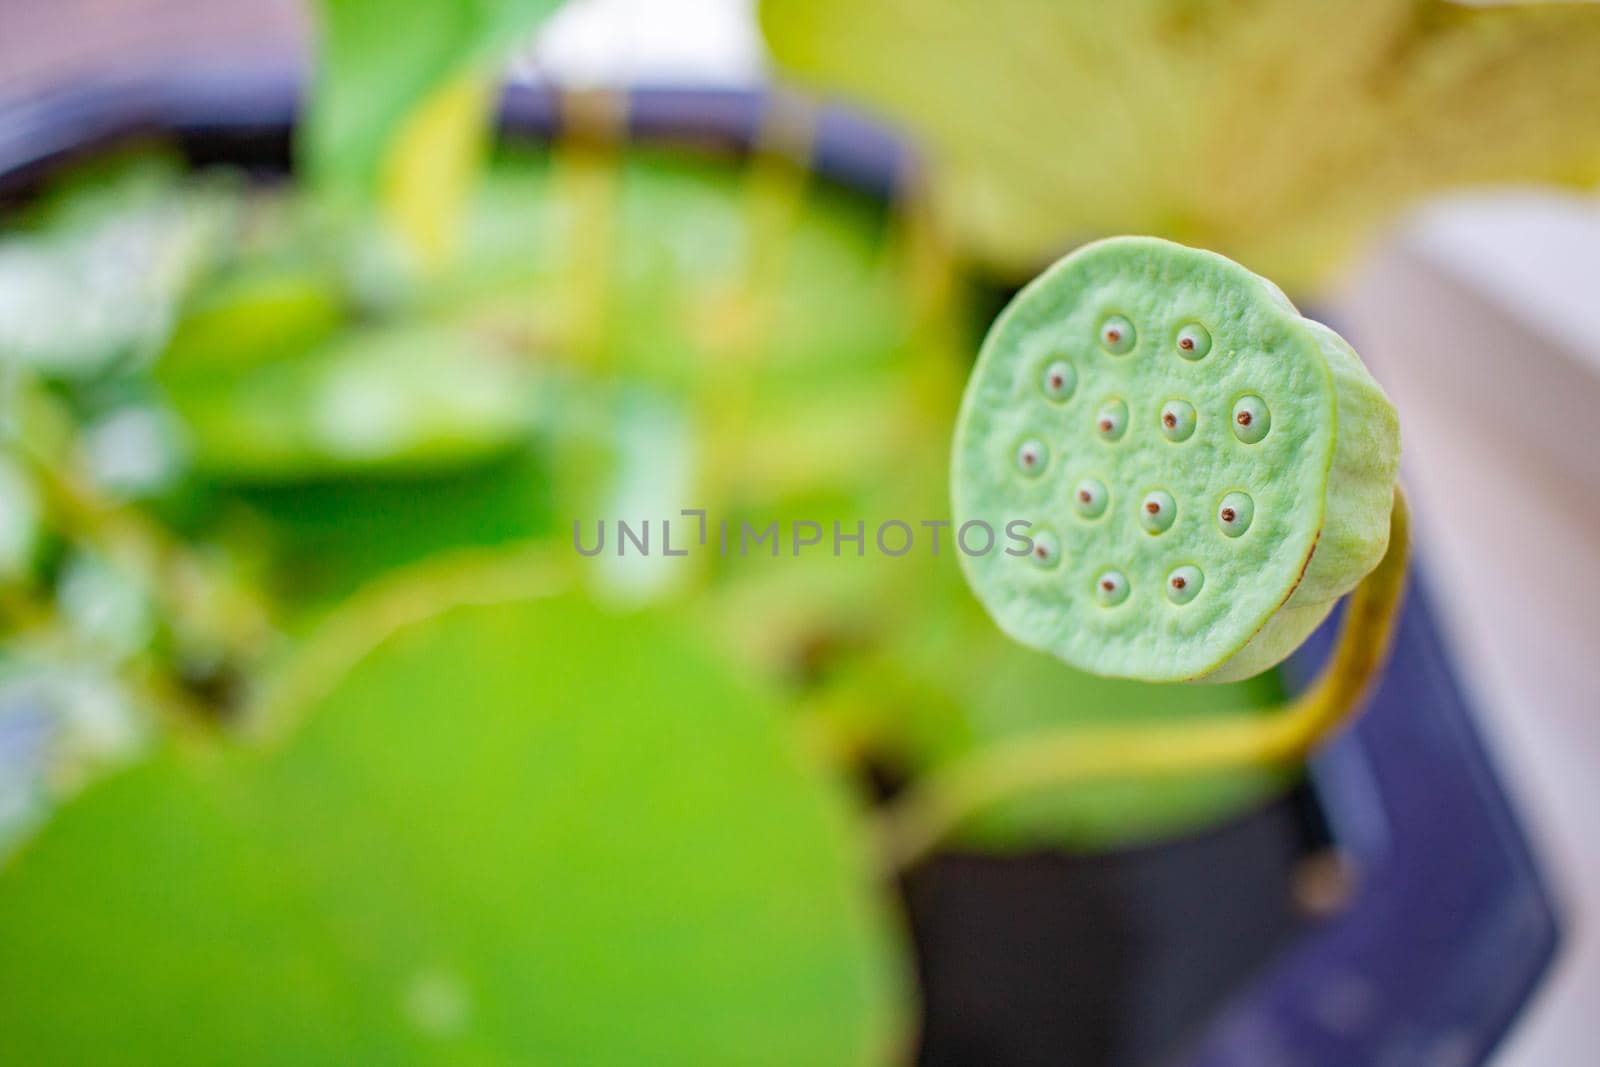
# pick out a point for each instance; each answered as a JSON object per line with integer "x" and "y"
{"x": 1187, "y": 344}
{"x": 1169, "y": 420}
{"x": 1178, "y": 582}
{"x": 1113, "y": 335}
{"x": 1108, "y": 585}
{"x": 1228, "y": 515}
{"x": 1152, "y": 507}
{"x": 1105, "y": 425}
{"x": 1244, "y": 418}
{"x": 1084, "y": 495}
{"x": 1055, "y": 381}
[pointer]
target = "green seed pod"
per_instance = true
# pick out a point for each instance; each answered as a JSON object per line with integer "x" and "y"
{"x": 1276, "y": 503}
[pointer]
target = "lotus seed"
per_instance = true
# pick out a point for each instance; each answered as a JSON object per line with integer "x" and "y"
{"x": 1157, "y": 511}
{"x": 1177, "y": 420}
{"x": 1060, "y": 380}
{"x": 1112, "y": 421}
{"x": 1090, "y": 498}
{"x": 1116, "y": 334}
{"x": 1235, "y": 513}
{"x": 1031, "y": 458}
{"x": 1184, "y": 583}
{"x": 1046, "y": 549}
{"x": 1194, "y": 341}
{"x": 1251, "y": 419}
{"x": 1111, "y": 588}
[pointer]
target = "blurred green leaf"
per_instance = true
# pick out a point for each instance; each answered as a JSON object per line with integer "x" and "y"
{"x": 404, "y": 397}
{"x": 1279, "y": 133}
{"x": 377, "y": 64}
{"x": 20, "y": 526}
{"x": 95, "y": 282}
{"x": 102, "y": 187}
{"x": 253, "y": 316}
{"x": 328, "y": 538}
{"x": 526, "y": 831}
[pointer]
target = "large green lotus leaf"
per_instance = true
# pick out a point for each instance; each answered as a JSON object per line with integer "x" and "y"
{"x": 1278, "y": 133}
{"x": 524, "y": 832}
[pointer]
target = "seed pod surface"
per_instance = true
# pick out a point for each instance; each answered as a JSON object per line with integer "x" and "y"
{"x": 1284, "y": 417}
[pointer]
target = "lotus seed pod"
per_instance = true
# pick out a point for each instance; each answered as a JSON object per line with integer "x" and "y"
{"x": 1275, "y": 470}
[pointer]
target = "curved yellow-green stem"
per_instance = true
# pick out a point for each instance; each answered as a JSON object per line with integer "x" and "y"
{"x": 426, "y": 176}
{"x": 930, "y": 810}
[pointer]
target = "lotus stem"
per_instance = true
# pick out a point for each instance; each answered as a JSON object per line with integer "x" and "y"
{"x": 427, "y": 176}
{"x": 929, "y": 811}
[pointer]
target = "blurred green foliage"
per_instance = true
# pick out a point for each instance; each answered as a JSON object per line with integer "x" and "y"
{"x": 546, "y": 824}
{"x": 748, "y": 341}
{"x": 375, "y": 70}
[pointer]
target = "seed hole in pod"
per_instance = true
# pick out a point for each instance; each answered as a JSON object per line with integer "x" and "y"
{"x": 1251, "y": 419}
{"x": 1111, "y": 422}
{"x": 1032, "y": 458}
{"x": 1059, "y": 381}
{"x": 1184, "y": 583}
{"x": 1177, "y": 420}
{"x": 1157, "y": 511}
{"x": 1046, "y": 549}
{"x": 1194, "y": 341}
{"x": 1235, "y": 513}
{"x": 1116, "y": 334}
{"x": 1111, "y": 588}
{"x": 1090, "y": 498}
